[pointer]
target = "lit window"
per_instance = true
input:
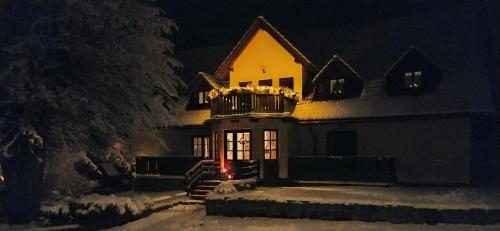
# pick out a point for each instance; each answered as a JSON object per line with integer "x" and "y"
{"x": 270, "y": 144}
{"x": 413, "y": 79}
{"x": 336, "y": 86}
{"x": 216, "y": 144}
{"x": 229, "y": 146}
{"x": 201, "y": 146}
{"x": 203, "y": 97}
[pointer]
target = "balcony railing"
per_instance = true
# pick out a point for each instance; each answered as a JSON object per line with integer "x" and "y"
{"x": 243, "y": 103}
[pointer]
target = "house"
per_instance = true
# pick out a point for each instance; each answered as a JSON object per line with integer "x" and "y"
{"x": 401, "y": 100}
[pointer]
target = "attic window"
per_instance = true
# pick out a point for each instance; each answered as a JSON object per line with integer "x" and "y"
{"x": 413, "y": 79}
{"x": 286, "y": 82}
{"x": 266, "y": 82}
{"x": 245, "y": 84}
{"x": 203, "y": 97}
{"x": 336, "y": 86}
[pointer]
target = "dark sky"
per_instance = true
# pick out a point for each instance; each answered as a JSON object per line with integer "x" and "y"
{"x": 213, "y": 22}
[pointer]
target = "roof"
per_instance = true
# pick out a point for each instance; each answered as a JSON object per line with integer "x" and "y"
{"x": 451, "y": 39}
{"x": 215, "y": 82}
{"x": 447, "y": 98}
{"x": 412, "y": 48}
{"x": 335, "y": 59}
{"x": 193, "y": 117}
{"x": 261, "y": 23}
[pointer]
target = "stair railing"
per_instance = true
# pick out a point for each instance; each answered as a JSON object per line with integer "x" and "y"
{"x": 249, "y": 169}
{"x": 198, "y": 172}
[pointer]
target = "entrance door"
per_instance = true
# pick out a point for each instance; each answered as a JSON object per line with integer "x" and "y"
{"x": 237, "y": 145}
{"x": 271, "y": 154}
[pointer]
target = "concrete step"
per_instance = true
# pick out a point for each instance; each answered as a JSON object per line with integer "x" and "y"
{"x": 205, "y": 187}
{"x": 193, "y": 202}
{"x": 199, "y": 192}
{"x": 210, "y": 182}
{"x": 197, "y": 197}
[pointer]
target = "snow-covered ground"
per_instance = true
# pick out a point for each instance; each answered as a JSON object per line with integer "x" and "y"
{"x": 192, "y": 217}
{"x": 418, "y": 197}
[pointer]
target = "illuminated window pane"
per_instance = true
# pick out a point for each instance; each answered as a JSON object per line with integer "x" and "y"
{"x": 201, "y": 146}
{"x": 413, "y": 79}
{"x": 270, "y": 144}
{"x": 273, "y": 135}
{"x": 206, "y": 147}
{"x": 229, "y": 155}
{"x": 246, "y": 155}
{"x": 239, "y": 155}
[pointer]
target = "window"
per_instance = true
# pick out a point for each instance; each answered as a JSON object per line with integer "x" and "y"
{"x": 201, "y": 146}
{"x": 266, "y": 82}
{"x": 238, "y": 145}
{"x": 270, "y": 144}
{"x": 413, "y": 79}
{"x": 245, "y": 84}
{"x": 336, "y": 86}
{"x": 203, "y": 97}
{"x": 341, "y": 143}
{"x": 286, "y": 82}
{"x": 216, "y": 144}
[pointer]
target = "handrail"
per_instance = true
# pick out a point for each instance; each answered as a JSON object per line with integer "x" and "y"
{"x": 198, "y": 171}
{"x": 197, "y": 165}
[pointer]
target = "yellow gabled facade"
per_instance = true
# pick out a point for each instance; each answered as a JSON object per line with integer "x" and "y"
{"x": 264, "y": 58}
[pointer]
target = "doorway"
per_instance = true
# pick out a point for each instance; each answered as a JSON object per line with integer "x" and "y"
{"x": 237, "y": 147}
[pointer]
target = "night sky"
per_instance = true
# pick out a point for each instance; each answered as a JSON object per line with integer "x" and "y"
{"x": 208, "y": 23}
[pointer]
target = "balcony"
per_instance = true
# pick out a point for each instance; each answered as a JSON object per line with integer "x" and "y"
{"x": 244, "y": 100}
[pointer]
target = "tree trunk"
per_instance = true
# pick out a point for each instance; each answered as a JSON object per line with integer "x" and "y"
{"x": 23, "y": 181}
{"x": 23, "y": 172}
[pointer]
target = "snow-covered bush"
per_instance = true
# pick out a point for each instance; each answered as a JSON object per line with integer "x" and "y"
{"x": 225, "y": 187}
{"x": 95, "y": 209}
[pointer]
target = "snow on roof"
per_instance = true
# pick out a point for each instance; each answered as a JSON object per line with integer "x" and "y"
{"x": 451, "y": 96}
{"x": 215, "y": 82}
{"x": 330, "y": 62}
{"x": 194, "y": 117}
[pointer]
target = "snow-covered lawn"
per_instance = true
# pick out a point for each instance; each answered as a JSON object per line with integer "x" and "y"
{"x": 418, "y": 197}
{"x": 192, "y": 217}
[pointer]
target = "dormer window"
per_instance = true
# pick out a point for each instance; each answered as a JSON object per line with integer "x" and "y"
{"x": 336, "y": 86}
{"x": 202, "y": 97}
{"x": 413, "y": 79}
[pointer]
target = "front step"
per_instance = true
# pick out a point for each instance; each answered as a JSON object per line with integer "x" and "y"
{"x": 199, "y": 192}
{"x": 211, "y": 182}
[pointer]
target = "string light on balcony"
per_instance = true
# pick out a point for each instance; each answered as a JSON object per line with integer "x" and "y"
{"x": 264, "y": 90}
